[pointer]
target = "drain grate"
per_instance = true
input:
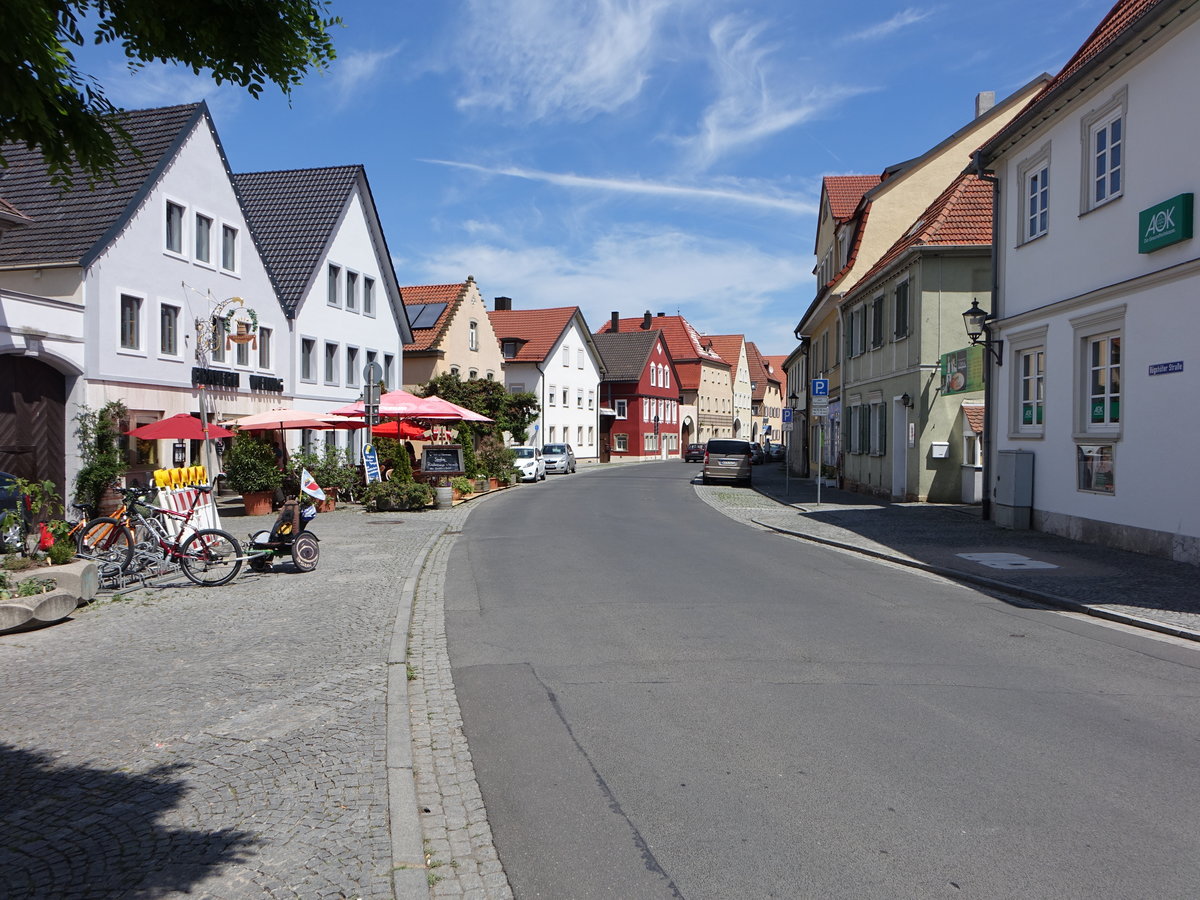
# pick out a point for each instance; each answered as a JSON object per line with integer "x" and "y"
{"x": 384, "y": 521}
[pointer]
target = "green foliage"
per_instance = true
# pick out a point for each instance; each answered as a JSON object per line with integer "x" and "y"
{"x": 462, "y": 484}
{"x": 44, "y": 500}
{"x": 250, "y": 466}
{"x": 331, "y": 468}
{"x": 466, "y": 437}
{"x": 513, "y": 413}
{"x": 102, "y": 463}
{"x": 63, "y": 549}
{"x": 46, "y": 102}
{"x": 495, "y": 459}
{"x": 381, "y": 495}
{"x": 393, "y": 455}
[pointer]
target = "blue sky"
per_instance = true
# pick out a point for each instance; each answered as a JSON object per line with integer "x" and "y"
{"x": 626, "y": 154}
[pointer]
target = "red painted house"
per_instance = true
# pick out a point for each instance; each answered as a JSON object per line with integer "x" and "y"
{"x": 639, "y": 396}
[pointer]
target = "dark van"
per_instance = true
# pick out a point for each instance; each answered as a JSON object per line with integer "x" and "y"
{"x": 726, "y": 459}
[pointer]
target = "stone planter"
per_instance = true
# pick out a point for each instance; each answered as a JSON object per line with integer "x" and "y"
{"x": 258, "y": 503}
{"x": 76, "y": 582}
{"x": 329, "y": 504}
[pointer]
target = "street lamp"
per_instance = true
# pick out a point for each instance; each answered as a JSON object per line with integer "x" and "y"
{"x": 979, "y": 332}
{"x": 793, "y": 399}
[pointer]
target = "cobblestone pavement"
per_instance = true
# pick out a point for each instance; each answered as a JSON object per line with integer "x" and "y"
{"x": 216, "y": 742}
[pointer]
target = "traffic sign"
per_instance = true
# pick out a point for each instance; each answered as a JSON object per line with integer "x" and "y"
{"x": 787, "y": 415}
{"x": 820, "y": 406}
{"x": 820, "y": 387}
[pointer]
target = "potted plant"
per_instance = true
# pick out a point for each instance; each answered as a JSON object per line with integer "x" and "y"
{"x": 495, "y": 459}
{"x": 102, "y": 463}
{"x": 252, "y": 471}
{"x": 462, "y": 486}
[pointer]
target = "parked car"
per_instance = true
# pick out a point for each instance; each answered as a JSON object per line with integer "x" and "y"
{"x": 775, "y": 452}
{"x": 694, "y": 453}
{"x": 530, "y": 464}
{"x": 726, "y": 459}
{"x": 560, "y": 458}
{"x": 757, "y": 455}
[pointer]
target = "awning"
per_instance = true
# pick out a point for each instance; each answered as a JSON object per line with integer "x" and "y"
{"x": 607, "y": 411}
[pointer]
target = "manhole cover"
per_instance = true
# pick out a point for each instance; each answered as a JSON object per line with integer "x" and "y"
{"x": 384, "y": 521}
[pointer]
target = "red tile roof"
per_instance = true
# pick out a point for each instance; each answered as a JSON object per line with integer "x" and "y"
{"x": 974, "y": 414}
{"x": 685, "y": 343}
{"x": 416, "y": 295}
{"x": 540, "y": 329}
{"x": 844, "y": 192}
{"x": 760, "y": 375}
{"x": 728, "y": 346}
{"x": 1120, "y": 17}
{"x": 960, "y": 216}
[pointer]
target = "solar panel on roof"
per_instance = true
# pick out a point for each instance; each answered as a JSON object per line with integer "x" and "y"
{"x": 425, "y": 315}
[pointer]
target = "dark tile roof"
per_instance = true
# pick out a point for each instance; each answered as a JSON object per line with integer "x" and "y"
{"x": 293, "y": 215}
{"x": 625, "y": 353}
{"x": 72, "y": 225}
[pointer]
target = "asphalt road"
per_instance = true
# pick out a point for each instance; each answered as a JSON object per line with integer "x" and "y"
{"x": 662, "y": 701}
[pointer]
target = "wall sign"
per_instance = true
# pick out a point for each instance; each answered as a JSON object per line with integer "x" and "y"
{"x": 962, "y": 370}
{"x": 1166, "y": 368}
{"x": 1165, "y": 224}
{"x": 215, "y": 377}
{"x": 266, "y": 383}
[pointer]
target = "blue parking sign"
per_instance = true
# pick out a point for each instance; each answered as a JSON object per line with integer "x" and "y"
{"x": 820, "y": 387}
{"x": 787, "y": 415}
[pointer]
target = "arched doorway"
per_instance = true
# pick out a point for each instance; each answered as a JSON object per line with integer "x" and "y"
{"x": 33, "y": 421}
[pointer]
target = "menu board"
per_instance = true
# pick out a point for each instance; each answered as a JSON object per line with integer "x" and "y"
{"x": 443, "y": 459}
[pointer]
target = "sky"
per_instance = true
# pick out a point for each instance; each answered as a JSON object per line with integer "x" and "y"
{"x": 625, "y": 155}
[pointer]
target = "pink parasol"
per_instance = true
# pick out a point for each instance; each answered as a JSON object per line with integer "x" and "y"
{"x": 274, "y": 419}
{"x": 179, "y": 427}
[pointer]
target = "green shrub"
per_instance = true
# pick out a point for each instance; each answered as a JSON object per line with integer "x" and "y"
{"x": 250, "y": 465}
{"x": 407, "y": 495}
{"x": 462, "y": 484}
{"x": 495, "y": 459}
{"x": 101, "y": 460}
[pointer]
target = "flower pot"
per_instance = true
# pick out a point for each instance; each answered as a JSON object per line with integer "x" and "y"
{"x": 330, "y": 501}
{"x": 258, "y": 503}
{"x": 493, "y": 483}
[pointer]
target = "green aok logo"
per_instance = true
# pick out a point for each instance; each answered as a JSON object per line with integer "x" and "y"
{"x": 1165, "y": 224}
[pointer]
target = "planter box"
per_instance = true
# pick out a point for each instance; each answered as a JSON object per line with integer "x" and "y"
{"x": 329, "y": 504}
{"x": 258, "y": 503}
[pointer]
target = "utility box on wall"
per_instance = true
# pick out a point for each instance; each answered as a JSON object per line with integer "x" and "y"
{"x": 1014, "y": 489}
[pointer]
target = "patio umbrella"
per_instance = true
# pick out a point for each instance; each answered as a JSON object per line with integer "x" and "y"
{"x": 403, "y": 405}
{"x": 463, "y": 414}
{"x": 180, "y": 427}
{"x": 399, "y": 429}
{"x": 274, "y": 419}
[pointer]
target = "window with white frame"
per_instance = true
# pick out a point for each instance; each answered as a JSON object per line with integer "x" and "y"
{"x": 579, "y": 436}
{"x": 229, "y": 248}
{"x": 566, "y": 357}
{"x": 666, "y": 377}
{"x": 351, "y": 291}
{"x": 650, "y": 441}
{"x": 621, "y": 443}
{"x": 1034, "y": 181}
{"x": 204, "y": 226}
{"x": 472, "y": 374}
{"x": 900, "y": 317}
{"x": 622, "y": 408}
{"x": 591, "y": 399}
{"x": 173, "y": 237}
{"x": 552, "y": 434}
{"x": 168, "y": 330}
{"x": 591, "y": 435}
{"x": 579, "y": 358}
{"x": 553, "y": 398}
{"x": 1103, "y": 142}
{"x": 566, "y": 396}
{"x": 368, "y": 296}
{"x": 1098, "y": 395}
{"x": 653, "y": 375}
{"x": 473, "y": 336}
{"x": 351, "y": 367}
{"x": 331, "y": 363}
{"x": 241, "y": 353}
{"x": 878, "y": 428}
{"x": 308, "y": 363}
{"x": 579, "y": 398}
{"x": 334, "y": 285}
{"x": 516, "y": 387}
{"x": 1032, "y": 375}
{"x": 264, "y": 348}
{"x": 217, "y": 347}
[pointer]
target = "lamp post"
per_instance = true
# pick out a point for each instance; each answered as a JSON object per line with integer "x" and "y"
{"x": 208, "y": 332}
{"x": 656, "y": 447}
{"x": 787, "y": 464}
{"x": 976, "y": 321}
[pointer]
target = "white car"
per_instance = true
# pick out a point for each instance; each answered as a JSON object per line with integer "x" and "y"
{"x": 529, "y": 463}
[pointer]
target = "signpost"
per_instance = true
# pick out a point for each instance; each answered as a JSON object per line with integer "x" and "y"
{"x": 820, "y": 409}
{"x": 371, "y": 463}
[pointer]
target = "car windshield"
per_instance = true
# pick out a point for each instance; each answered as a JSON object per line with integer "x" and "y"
{"x": 729, "y": 447}
{"x": 524, "y": 452}
{"x": 555, "y": 448}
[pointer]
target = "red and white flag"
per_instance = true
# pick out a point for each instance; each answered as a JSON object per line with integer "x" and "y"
{"x": 309, "y": 485}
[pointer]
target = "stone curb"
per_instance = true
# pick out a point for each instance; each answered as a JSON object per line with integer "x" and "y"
{"x": 1048, "y": 599}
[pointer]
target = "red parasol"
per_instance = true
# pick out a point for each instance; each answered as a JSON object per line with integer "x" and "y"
{"x": 180, "y": 427}
{"x": 400, "y": 429}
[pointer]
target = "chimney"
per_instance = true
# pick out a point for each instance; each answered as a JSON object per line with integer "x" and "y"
{"x": 646, "y": 321}
{"x": 984, "y": 101}
{"x": 503, "y": 303}
{"x": 615, "y": 325}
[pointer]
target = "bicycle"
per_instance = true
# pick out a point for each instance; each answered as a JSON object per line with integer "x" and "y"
{"x": 207, "y": 556}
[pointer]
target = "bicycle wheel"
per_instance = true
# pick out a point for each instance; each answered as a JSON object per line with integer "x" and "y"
{"x": 107, "y": 542}
{"x": 211, "y": 557}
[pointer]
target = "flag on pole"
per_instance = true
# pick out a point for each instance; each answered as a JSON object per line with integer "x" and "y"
{"x": 309, "y": 485}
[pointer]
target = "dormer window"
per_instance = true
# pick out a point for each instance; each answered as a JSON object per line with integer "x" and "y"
{"x": 509, "y": 348}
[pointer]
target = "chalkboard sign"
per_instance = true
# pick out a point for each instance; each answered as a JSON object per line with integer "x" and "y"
{"x": 446, "y": 459}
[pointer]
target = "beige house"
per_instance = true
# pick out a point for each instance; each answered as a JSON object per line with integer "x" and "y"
{"x": 451, "y": 334}
{"x": 766, "y": 384}
{"x": 860, "y": 218}
{"x": 732, "y": 349}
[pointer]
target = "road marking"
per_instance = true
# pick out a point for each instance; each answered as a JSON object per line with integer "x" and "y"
{"x": 1007, "y": 561}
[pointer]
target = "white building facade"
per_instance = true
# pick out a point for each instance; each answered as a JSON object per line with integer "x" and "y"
{"x": 1098, "y": 275}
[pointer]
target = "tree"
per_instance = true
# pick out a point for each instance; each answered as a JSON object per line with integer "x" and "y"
{"x": 47, "y": 103}
{"x": 513, "y": 413}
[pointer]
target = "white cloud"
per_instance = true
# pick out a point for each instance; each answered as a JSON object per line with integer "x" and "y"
{"x": 356, "y": 71}
{"x": 720, "y": 286}
{"x": 159, "y": 84}
{"x": 756, "y": 99}
{"x": 546, "y": 59}
{"x": 716, "y": 194}
{"x": 902, "y": 19}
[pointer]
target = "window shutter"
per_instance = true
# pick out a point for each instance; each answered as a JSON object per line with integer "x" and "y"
{"x": 882, "y": 428}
